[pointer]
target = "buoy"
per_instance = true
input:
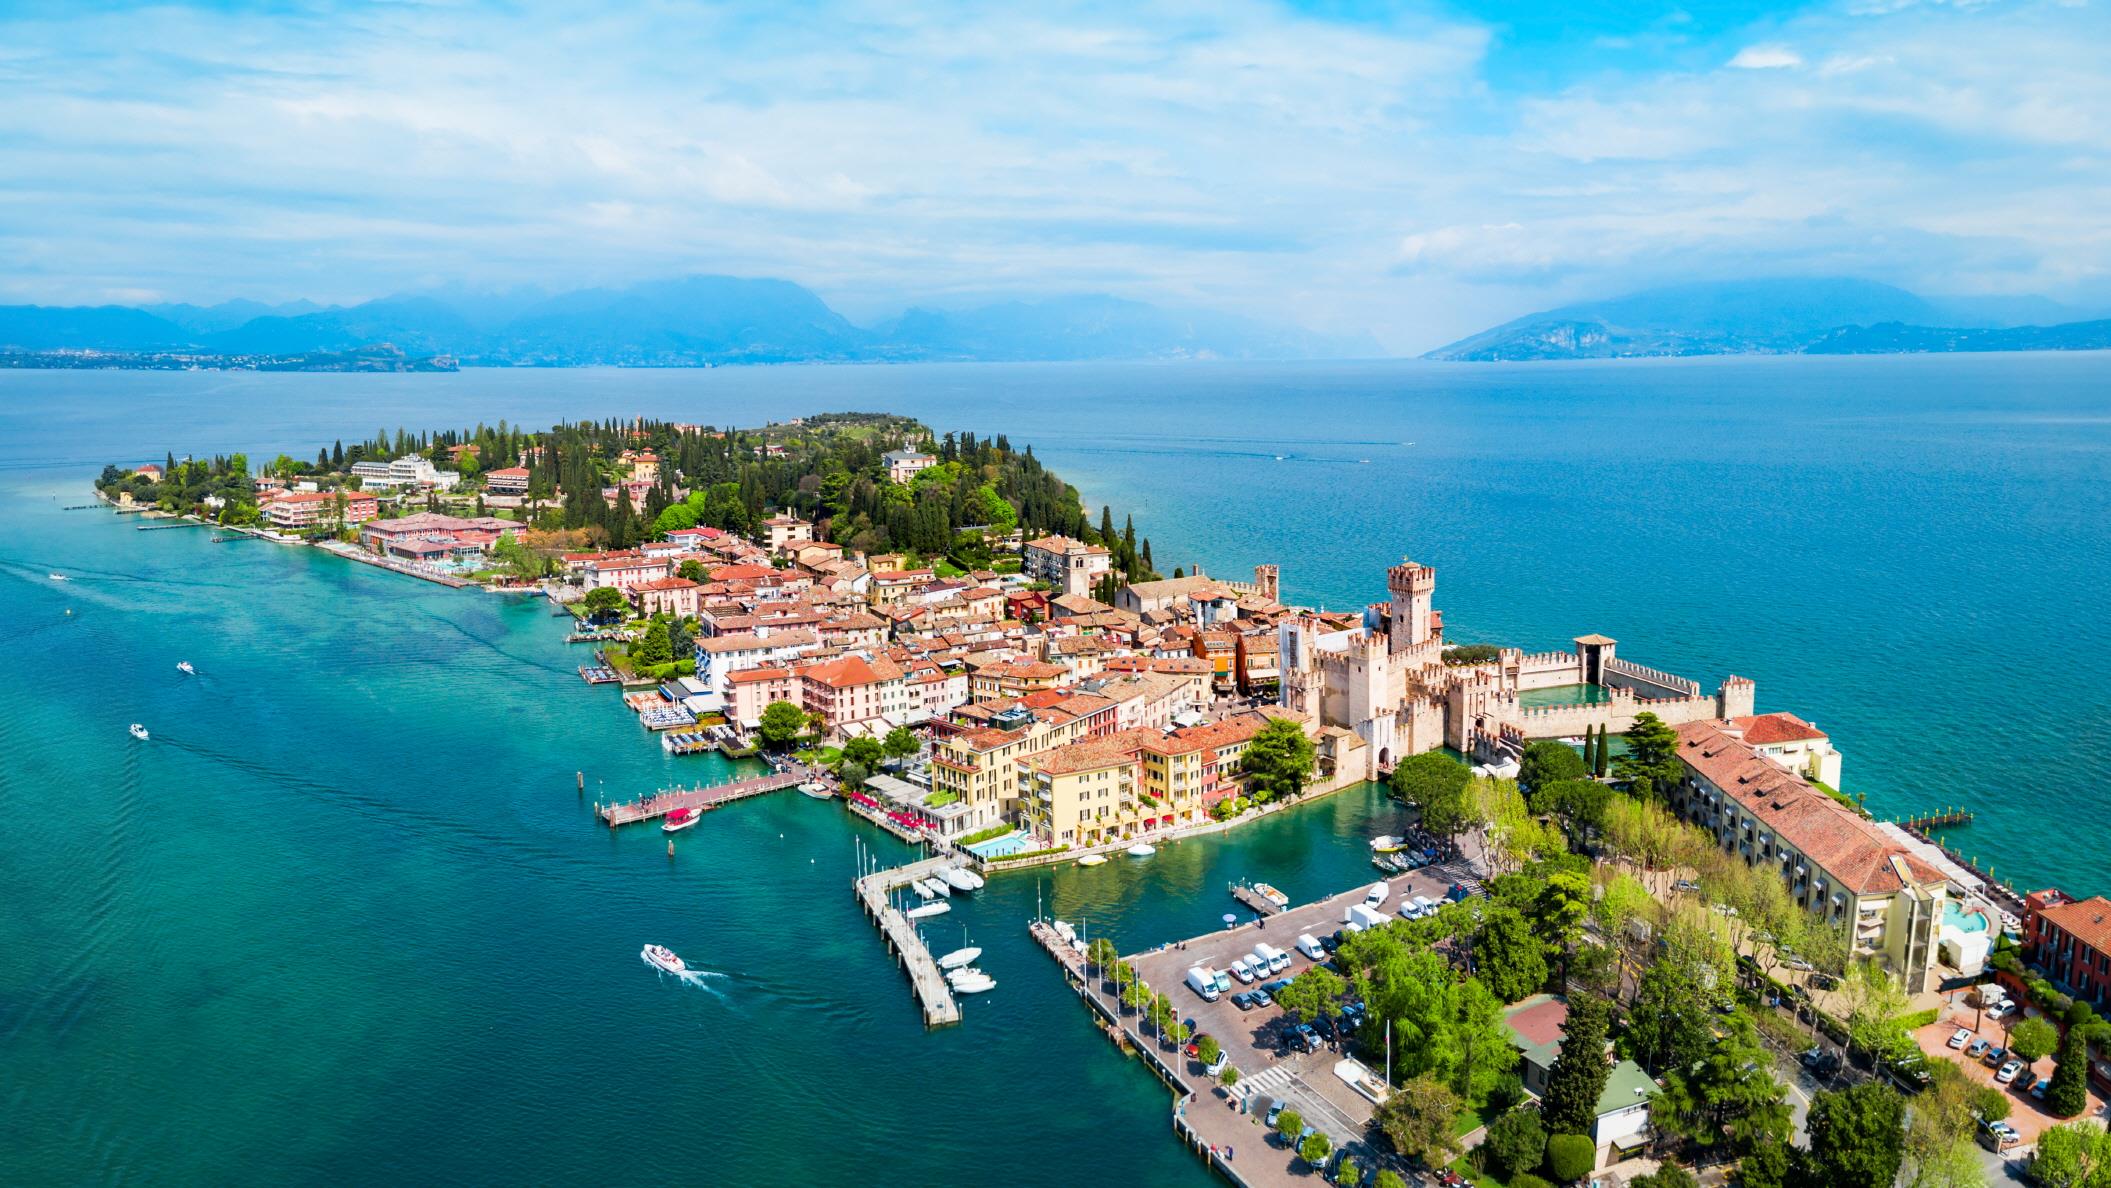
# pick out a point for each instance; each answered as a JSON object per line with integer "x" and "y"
{"x": 670, "y": 849}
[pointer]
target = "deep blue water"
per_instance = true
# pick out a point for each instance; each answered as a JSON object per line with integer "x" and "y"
{"x": 346, "y": 917}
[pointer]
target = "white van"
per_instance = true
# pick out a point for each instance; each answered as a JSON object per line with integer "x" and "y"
{"x": 1272, "y": 959}
{"x": 1376, "y": 895}
{"x": 1242, "y": 969}
{"x": 1309, "y": 945}
{"x": 1203, "y": 983}
{"x": 1362, "y": 917}
{"x": 1429, "y": 906}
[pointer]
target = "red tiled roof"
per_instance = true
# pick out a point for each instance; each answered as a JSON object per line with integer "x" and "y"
{"x": 2087, "y": 920}
{"x": 1763, "y": 729}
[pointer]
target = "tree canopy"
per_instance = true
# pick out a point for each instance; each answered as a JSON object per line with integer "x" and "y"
{"x": 1278, "y": 761}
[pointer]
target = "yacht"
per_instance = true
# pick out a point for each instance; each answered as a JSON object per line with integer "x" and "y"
{"x": 1092, "y": 860}
{"x": 1064, "y": 930}
{"x": 1142, "y": 850}
{"x": 936, "y": 908}
{"x": 816, "y": 791}
{"x": 959, "y": 957}
{"x": 970, "y": 981}
{"x": 138, "y": 731}
{"x": 960, "y": 878}
{"x": 680, "y": 819}
{"x": 662, "y": 958}
{"x": 936, "y": 887}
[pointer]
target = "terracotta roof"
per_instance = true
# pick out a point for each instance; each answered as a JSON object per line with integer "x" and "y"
{"x": 1763, "y": 729}
{"x": 671, "y": 583}
{"x": 851, "y": 671}
{"x": 751, "y": 676}
{"x": 2088, "y": 921}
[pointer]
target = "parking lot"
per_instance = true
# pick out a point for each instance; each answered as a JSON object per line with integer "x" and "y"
{"x": 1259, "y": 1041}
{"x": 2026, "y": 1113}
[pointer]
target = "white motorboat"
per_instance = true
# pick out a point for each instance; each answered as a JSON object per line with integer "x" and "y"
{"x": 816, "y": 791}
{"x": 1092, "y": 860}
{"x": 1064, "y": 930}
{"x": 1142, "y": 850}
{"x": 1386, "y": 843}
{"x": 937, "y": 908}
{"x": 680, "y": 819}
{"x": 936, "y": 887}
{"x": 959, "y": 957}
{"x": 58, "y": 577}
{"x": 960, "y": 878}
{"x": 1280, "y": 900}
{"x": 970, "y": 981}
{"x": 662, "y": 958}
{"x": 138, "y": 731}
{"x": 922, "y": 892}
{"x": 184, "y": 667}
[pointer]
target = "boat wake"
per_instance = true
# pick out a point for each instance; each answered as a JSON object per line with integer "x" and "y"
{"x": 701, "y": 978}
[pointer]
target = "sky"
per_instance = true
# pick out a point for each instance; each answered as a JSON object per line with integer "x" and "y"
{"x": 1414, "y": 171}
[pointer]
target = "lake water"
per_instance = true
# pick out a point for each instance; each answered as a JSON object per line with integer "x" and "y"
{"x": 346, "y": 917}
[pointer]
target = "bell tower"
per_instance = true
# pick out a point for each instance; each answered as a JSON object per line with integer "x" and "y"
{"x": 1407, "y": 617}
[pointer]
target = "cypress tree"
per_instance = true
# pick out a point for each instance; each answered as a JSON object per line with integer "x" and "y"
{"x": 1579, "y": 1074}
{"x": 1604, "y": 746}
{"x": 1106, "y": 525}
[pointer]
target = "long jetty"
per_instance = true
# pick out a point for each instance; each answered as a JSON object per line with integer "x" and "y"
{"x": 932, "y": 993}
{"x": 701, "y": 798}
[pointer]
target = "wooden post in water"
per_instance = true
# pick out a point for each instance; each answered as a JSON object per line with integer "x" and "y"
{"x": 582, "y": 782}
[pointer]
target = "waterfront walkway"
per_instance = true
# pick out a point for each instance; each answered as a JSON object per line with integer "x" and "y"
{"x": 925, "y": 979}
{"x": 701, "y": 798}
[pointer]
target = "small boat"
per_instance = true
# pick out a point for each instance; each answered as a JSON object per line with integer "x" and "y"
{"x": 1387, "y": 843}
{"x": 939, "y": 908}
{"x": 184, "y": 667}
{"x": 937, "y": 888}
{"x": 680, "y": 819}
{"x": 1092, "y": 860}
{"x": 970, "y": 981}
{"x": 960, "y": 878}
{"x": 1142, "y": 850}
{"x": 959, "y": 957}
{"x": 1064, "y": 930}
{"x": 662, "y": 958}
{"x": 138, "y": 731}
{"x": 58, "y": 577}
{"x": 1280, "y": 900}
{"x": 922, "y": 892}
{"x": 817, "y": 791}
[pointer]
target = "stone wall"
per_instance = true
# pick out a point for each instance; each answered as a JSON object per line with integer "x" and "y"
{"x": 1648, "y": 682}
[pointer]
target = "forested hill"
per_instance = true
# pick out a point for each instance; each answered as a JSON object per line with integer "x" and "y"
{"x": 825, "y": 468}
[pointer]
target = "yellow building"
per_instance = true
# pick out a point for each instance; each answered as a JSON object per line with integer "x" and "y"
{"x": 1132, "y": 783}
{"x": 979, "y": 767}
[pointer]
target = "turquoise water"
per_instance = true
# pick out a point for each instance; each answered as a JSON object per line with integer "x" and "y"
{"x": 1564, "y": 695}
{"x": 1954, "y": 916}
{"x": 347, "y": 916}
{"x": 1000, "y": 847}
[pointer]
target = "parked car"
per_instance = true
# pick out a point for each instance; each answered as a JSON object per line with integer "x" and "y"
{"x": 1960, "y": 1037}
{"x": 1216, "y": 1067}
{"x": 1274, "y": 1111}
{"x": 1194, "y": 1043}
{"x": 2008, "y": 1072}
{"x": 1998, "y": 1136}
{"x": 1306, "y": 1038}
{"x": 2001, "y": 1010}
{"x": 1242, "y": 969}
{"x": 2041, "y": 1088}
{"x": 1978, "y": 1049}
{"x": 1244, "y": 1000}
{"x": 1261, "y": 998}
{"x": 1820, "y": 980}
{"x": 1995, "y": 1056}
{"x": 1686, "y": 885}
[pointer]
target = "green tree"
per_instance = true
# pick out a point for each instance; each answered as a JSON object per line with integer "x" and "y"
{"x": 1582, "y": 803}
{"x": 1857, "y": 1137}
{"x": 1602, "y": 763}
{"x": 1651, "y": 762}
{"x": 1729, "y": 1097}
{"x": 782, "y": 724}
{"x": 690, "y": 571}
{"x": 603, "y": 601}
{"x": 1508, "y": 955}
{"x": 1571, "y": 1156}
{"x": 2069, "y": 1094}
{"x": 865, "y": 752}
{"x": 1938, "y": 1150}
{"x": 1101, "y": 953}
{"x": 853, "y": 775}
{"x": 1668, "y": 1025}
{"x": 1316, "y": 1148}
{"x": 1419, "y": 1117}
{"x": 1578, "y": 1077}
{"x": 1546, "y": 761}
{"x": 2033, "y": 1040}
{"x": 1517, "y": 1140}
{"x": 2076, "y": 1155}
{"x": 1389, "y": 1178}
{"x": 1668, "y": 1175}
{"x": 653, "y": 647}
{"x": 1208, "y": 1050}
{"x": 1313, "y": 994}
{"x": 1278, "y": 762}
{"x": 901, "y": 742}
{"x": 1768, "y": 1166}
{"x": 1875, "y": 1004}
{"x": 1437, "y": 784}
{"x": 1289, "y": 1124}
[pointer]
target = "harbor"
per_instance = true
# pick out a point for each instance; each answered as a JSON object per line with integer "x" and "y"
{"x": 702, "y": 798}
{"x": 934, "y": 996}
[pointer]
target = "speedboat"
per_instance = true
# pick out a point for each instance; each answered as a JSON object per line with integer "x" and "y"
{"x": 1142, "y": 850}
{"x": 816, "y": 791}
{"x": 959, "y": 957}
{"x": 937, "y": 908}
{"x": 1386, "y": 843}
{"x": 662, "y": 958}
{"x": 970, "y": 981}
{"x": 922, "y": 892}
{"x": 184, "y": 666}
{"x": 138, "y": 731}
{"x": 680, "y": 819}
{"x": 1064, "y": 930}
{"x": 58, "y": 577}
{"x": 1092, "y": 860}
{"x": 960, "y": 878}
{"x": 936, "y": 887}
{"x": 1280, "y": 900}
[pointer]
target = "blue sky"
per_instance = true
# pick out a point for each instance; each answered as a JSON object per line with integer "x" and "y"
{"x": 1416, "y": 171}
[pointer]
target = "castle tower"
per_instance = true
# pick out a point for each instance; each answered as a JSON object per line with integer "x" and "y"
{"x": 1412, "y": 586}
{"x": 1268, "y": 579}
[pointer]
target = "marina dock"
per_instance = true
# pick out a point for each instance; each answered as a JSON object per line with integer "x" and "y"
{"x": 702, "y": 798}
{"x": 1254, "y": 899}
{"x": 932, "y": 993}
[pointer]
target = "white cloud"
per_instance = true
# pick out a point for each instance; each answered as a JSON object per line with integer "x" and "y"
{"x": 1765, "y": 57}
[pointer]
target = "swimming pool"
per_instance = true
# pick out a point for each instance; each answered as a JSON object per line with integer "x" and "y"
{"x": 998, "y": 847}
{"x": 1954, "y": 916}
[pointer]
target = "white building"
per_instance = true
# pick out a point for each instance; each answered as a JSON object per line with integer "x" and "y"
{"x": 410, "y": 470}
{"x": 903, "y": 465}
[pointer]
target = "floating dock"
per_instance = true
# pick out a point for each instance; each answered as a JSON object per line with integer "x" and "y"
{"x": 1261, "y": 904}
{"x": 702, "y": 798}
{"x": 599, "y": 675}
{"x": 929, "y": 984}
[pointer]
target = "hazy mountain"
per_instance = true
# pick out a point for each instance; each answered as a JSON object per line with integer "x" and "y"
{"x": 1701, "y": 319}
{"x": 1894, "y": 338}
{"x": 686, "y": 322}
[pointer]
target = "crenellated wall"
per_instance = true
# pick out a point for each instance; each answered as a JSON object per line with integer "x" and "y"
{"x": 1649, "y": 682}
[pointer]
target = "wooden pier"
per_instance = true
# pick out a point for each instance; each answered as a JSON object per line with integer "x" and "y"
{"x": 1254, "y": 899}
{"x": 702, "y": 798}
{"x": 933, "y": 994}
{"x": 1946, "y": 819}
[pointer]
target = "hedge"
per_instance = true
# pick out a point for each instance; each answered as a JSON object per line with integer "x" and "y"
{"x": 1919, "y": 1019}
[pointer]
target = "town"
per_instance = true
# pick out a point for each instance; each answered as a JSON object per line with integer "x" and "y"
{"x": 1639, "y": 928}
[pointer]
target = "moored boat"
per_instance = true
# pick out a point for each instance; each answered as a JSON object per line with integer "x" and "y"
{"x": 816, "y": 791}
{"x": 1092, "y": 860}
{"x": 1280, "y": 900}
{"x": 959, "y": 878}
{"x": 970, "y": 981}
{"x": 959, "y": 957}
{"x": 662, "y": 958}
{"x": 936, "y": 888}
{"x": 138, "y": 731}
{"x": 1142, "y": 850}
{"x": 1387, "y": 843}
{"x": 680, "y": 819}
{"x": 935, "y": 908}
{"x": 922, "y": 892}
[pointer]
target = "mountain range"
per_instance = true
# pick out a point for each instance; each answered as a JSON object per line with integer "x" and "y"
{"x": 1819, "y": 316}
{"x": 692, "y": 321}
